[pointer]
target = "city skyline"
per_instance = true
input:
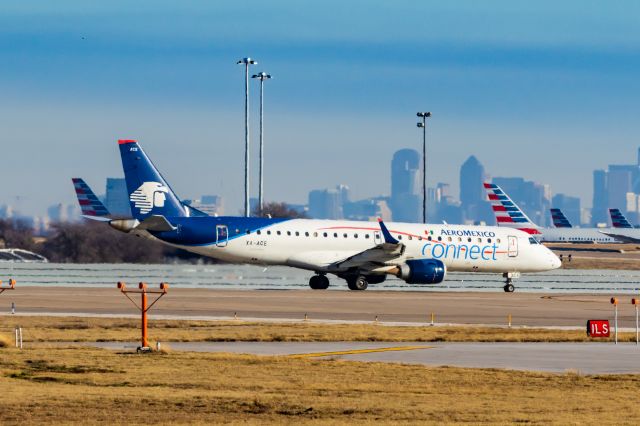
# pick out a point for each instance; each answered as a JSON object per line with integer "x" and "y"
{"x": 555, "y": 82}
{"x": 401, "y": 204}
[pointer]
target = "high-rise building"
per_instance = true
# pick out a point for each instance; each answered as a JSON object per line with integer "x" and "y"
{"x": 57, "y": 213}
{"x": 368, "y": 210}
{"x": 117, "y": 198}
{"x": 472, "y": 177}
{"x": 405, "y": 203}
{"x": 328, "y": 203}
{"x": 621, "y": 179}
{"x": 599, "y": 210}
{"x": 473, "y": 198}
{"x": 212, "y": 205}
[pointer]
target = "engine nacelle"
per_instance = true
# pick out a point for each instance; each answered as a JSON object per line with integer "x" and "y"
{"x": 124, "y": 225}
{"x": 423, "y": 271}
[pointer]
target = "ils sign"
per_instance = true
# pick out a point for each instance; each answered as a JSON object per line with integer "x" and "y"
{"x": 598, "y": 328}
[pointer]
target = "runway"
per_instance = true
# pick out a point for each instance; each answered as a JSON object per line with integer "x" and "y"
{"x": 482, "y": 308}
{"x": 585, "y": 358}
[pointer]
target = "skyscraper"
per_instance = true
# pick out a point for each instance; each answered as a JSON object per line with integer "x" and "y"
{"x": 600, "y": 198}
{"x": 117, "y": 198}
{"x": 471, "y": 179}
{"x": 405, "y": 179}
{"x": 328, "y": 203}
{"x": 473, "y": 198}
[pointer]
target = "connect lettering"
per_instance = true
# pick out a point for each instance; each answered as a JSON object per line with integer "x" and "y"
{"x": 460, "y": 251}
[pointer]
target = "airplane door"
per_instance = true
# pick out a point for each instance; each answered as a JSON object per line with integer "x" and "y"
{"x": 513, "y": 246}
{"x": 222, "y": 235}
{"x": 377, "y": 237}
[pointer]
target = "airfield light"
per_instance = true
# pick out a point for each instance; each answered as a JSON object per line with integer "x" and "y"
{"x": 614, "y": 302}
{"x": 423, "y": 126}
{"x": 262, "y": 76}
{"x": 11, "y": 286}
{"x": 635, "y": 302}
{"x": 143, "y": 291}
{"x": 246, "y": 62}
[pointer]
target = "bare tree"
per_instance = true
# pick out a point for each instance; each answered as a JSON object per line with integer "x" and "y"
{"x": 275, "y": 209}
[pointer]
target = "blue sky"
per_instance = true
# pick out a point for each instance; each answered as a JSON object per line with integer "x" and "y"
{"x": 545, "y": 90}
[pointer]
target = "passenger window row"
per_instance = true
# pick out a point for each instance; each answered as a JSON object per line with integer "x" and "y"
{"x": 366, "y": 236}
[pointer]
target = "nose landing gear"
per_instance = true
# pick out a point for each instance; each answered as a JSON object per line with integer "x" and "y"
{"x": 509, "y": 276}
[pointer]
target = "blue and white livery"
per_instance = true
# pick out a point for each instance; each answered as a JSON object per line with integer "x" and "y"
{"x": 361, "y": 253}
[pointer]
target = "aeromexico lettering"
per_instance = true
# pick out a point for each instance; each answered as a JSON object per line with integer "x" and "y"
{"x": 442, "y": 250}
{"x": 467, "y": 233}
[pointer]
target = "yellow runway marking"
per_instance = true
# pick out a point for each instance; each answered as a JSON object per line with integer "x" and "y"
{"x": 360, "y": 351}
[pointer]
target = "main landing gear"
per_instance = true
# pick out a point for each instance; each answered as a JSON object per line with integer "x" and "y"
{"x": 357, "y": 282}
{"x": 509, "y": 276}
{"x": 319, "y": 282}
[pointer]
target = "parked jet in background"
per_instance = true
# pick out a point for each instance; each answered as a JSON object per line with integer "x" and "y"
{"x": 361, "y": 253}
{"x": 508, "y": 214}
{"x": 618, "y": 220}
{"x": 559, "y": 219}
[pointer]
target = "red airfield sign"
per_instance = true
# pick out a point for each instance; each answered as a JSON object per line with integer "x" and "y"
{"x": 598, "y": 328}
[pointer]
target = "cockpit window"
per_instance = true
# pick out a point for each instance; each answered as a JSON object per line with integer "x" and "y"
{"x": 533, "y": 241}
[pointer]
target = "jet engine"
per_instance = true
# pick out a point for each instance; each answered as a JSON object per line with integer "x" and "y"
{"x": 422, "y": 271}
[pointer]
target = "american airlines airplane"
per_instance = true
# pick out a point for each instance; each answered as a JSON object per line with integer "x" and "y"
{"x": 509, "y": 215}
{"x": 559, "y": 219}
{"x": 619, "y": 220}
{"x": 361, "y": 253}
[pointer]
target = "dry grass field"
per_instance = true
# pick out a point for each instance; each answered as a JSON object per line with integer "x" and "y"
{"x": 85, "y": 386}
{"x": 77, "y": 329}
{"x": 626, "y": 257}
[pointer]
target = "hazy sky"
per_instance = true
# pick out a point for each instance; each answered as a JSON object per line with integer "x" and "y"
{"x": 547, "y": 90}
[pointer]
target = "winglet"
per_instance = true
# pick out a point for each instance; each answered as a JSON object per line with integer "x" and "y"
{"x": 386, "y": 234}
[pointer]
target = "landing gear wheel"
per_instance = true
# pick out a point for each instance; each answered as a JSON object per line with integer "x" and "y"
{"x": 509, "y": 287}
{"x": 358, "y": 283}
{"x": 319, "y": 282}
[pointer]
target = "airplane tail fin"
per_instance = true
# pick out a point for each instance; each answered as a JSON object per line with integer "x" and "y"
{"x": 618, "y": 219}
{"x": 90, "y": 205}
{"x": 507, "y": 212}
{"x": 559, "y": 219}
{"x": 149, "y": 193}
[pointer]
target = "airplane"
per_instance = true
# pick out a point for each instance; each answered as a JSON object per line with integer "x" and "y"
{"x": 508, "y": 214}
{"x": 359, "y": 252}
{"x": 618, "y": 220}
{"x": 559, "y": 219}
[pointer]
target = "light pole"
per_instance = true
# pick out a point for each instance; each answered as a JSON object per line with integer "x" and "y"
{"x": 423, "y": 125}
{"x": 262, "y": 76}
{"x": 246, "y": 62}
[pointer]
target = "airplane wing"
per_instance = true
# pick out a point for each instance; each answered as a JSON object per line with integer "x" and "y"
{"x": 390, "y": 249}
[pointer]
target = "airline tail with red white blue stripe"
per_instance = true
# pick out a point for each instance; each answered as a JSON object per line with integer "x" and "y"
{"x": 507, "y": 212}
{"x": 559, "y": 219}
{"x": 618, "y": 220}
{"x": 90, "y": 204}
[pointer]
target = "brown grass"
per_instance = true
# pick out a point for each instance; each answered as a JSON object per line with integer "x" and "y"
{"x": 5, "y": 341}
{"x": 586, "y": 262}
{"x": 81, "y": 386}
{"x": 70, "y": 329}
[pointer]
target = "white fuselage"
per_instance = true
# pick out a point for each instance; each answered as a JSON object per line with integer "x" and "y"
{"x": 320, "y": 245}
